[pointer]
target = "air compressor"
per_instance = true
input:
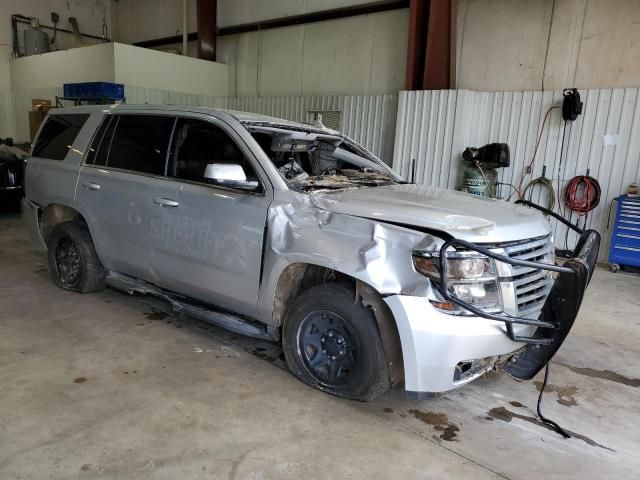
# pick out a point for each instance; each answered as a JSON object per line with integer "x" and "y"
{"x": 480, "y": 174}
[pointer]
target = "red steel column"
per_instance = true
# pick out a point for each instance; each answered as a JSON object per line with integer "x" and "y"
{"x": 437, "y": 62}
{"x": 207, "y": 29}
{"x": 416, "y": 48}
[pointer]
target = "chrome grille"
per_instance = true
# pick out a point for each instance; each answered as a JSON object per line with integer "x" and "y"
{"x": 525, "y": 289}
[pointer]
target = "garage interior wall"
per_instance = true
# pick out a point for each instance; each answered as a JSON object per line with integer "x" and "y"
{"x": 356, "y": 65}
{"x": 359, "y": 55}
{"x": 91, "y": 17}
{"x": 547, "y": 44}
{"x": 434, "y": 128}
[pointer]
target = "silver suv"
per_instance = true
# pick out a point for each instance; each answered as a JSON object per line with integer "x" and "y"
{"x": 296, "y": 233}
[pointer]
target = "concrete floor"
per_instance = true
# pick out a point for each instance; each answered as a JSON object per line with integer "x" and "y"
{"x": 107, "y": 385}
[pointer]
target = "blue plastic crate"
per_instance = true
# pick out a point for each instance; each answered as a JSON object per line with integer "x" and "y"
{"x": 94, "y": 90}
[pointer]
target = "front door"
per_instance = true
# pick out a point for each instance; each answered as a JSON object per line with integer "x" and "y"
{"x": 209, "y": 245}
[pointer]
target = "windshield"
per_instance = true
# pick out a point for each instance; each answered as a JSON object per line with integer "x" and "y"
{"x": 311, "y": 160}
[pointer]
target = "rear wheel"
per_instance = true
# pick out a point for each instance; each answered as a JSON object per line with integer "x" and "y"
{"x": 333, "y": 344}
{"x": 73, "y": 263}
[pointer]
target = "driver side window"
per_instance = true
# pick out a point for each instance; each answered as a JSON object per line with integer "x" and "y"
{"x": 196, "y": 144}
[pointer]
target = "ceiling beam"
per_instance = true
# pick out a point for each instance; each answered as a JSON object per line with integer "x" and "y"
{"x": 312, "y": 17}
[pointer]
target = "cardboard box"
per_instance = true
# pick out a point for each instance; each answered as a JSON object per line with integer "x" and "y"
{"x": 36, "y": 103}
{"x": 39, "y": 109}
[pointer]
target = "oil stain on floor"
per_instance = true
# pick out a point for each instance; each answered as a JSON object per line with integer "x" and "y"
{"x": 565, "y": 394}
{"x": 439, "y": 422}
{"x": 603, "y": 374}
{"x": 155, "y": 314}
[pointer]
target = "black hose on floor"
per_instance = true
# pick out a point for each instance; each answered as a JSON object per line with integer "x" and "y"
{"x": 553, "y": 424}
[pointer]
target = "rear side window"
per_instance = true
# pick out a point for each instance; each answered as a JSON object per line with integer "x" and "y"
{"x": 57, "y": 135}
{"x": 139, "y": 143}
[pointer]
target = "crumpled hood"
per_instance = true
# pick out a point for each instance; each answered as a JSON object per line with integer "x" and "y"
{"x": 462, "y": 215}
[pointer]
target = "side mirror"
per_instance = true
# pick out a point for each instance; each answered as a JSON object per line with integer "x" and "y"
{"x": 229, "y": 175}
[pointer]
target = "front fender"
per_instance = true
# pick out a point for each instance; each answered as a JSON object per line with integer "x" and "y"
{"x": 376, "y": 253}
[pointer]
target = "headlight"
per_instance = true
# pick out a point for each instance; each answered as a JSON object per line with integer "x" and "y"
{"x": 471, "y": 277}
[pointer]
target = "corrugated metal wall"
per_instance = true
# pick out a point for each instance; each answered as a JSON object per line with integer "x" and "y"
{"x": 369, "y": 119}
{"x": 6, "y": 114}
{"x": 434, "y": 128}
{"x": 141, "y": 95}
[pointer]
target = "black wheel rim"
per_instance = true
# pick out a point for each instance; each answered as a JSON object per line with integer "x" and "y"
{"x": 68, "y": 261}
{"x": 328, "y": 347}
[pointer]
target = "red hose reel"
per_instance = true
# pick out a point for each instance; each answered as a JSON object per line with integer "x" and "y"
{"x": 582, "y": 194}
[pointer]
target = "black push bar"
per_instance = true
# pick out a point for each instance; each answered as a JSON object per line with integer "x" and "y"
{"x": 509, "y": 320}
{"x": 585, "y": 254}
{"x": 546, "y": 211}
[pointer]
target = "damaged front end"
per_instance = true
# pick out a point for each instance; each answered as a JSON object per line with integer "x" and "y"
{"x": 344, "y": 213}
{"x": 559, "y": 310}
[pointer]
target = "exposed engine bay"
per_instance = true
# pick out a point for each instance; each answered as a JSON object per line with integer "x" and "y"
{"x": 311, "y": 160}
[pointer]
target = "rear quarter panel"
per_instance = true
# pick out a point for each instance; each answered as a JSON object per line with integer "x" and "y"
{"x": 54, "y": 181}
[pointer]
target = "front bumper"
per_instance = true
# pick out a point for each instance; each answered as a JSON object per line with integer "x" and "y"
{"x": 434, "y": 343}
{"x": 560, "y": 309}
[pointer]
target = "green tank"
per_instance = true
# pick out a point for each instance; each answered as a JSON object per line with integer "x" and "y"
{"x": 479, "y": 182}
{"x": 480, "y": 176}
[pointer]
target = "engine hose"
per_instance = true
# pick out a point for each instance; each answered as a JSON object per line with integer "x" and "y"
{"x": 548, "y": 185}
{"x": 582, "y": 194}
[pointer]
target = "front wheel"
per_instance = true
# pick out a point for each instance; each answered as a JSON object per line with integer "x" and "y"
{"x": 332, "y": 343}
{"x": 73, "y": 262}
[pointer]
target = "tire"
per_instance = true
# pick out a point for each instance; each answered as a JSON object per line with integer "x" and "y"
{"x": 73, "y": 263}
{"x": 333, "y": 344}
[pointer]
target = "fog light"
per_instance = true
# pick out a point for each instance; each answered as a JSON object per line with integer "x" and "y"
{"x": 473, "y": 368}
{"x": 470, "y": 292}
{"x": 482, "y": 295}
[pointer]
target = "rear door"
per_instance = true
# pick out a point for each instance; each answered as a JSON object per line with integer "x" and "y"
{"x": 117, "y": 187}
{"x": 209, "y": 246}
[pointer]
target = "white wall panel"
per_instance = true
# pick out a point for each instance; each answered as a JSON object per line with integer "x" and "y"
{"x": 434, "y": 128}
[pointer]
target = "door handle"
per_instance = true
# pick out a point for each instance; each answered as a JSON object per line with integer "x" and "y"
{"x": 165, "y": 202}
{"x": 91, "y": 186}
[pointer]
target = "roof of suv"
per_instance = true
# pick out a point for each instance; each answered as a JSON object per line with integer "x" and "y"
{"x": 240, "y": 116}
